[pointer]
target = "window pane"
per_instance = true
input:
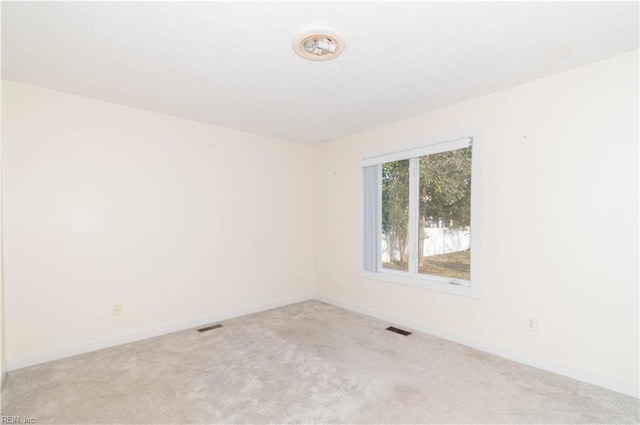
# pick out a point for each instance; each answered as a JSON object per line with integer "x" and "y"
{"x": 444, "y": 241}
{"x": 395, "y": 215}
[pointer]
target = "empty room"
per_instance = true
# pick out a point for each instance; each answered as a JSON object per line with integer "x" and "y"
{"x": 319, "y": 212}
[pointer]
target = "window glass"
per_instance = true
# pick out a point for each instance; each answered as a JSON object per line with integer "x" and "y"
{"x": 395, "y": 215}
{"x": 418, "y": 216}
{"x": 444, "y": 224}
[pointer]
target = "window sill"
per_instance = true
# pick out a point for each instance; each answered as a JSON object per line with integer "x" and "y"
{"x": 425, "y": 282}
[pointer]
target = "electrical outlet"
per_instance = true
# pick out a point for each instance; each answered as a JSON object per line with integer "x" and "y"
{"x": 532, "y": 324}
{"x": 117, "y": 309}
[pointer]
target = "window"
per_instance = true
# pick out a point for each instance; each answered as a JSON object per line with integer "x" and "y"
{"x": 419, "y": 217}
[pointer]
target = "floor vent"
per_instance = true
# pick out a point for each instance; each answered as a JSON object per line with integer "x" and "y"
{"x": 209, "y": 328}
{"x": 399, "y": 331}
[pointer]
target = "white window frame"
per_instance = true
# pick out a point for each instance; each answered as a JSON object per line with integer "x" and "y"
{"x": 467, "y": 288}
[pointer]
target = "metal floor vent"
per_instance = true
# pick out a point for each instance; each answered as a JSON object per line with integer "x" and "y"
{"x": 399, "y": 331}
{"x": 209, "y": 328}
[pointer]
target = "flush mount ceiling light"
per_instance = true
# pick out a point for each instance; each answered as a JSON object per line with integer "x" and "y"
{"x": 318, "y": 44}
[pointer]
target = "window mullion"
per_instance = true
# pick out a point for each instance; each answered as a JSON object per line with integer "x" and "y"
{"x": 414, "y": 180}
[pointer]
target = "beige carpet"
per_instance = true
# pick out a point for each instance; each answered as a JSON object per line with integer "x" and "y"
{"x": 305, "y": 363}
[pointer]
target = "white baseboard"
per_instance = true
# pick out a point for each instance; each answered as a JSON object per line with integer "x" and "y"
{"x": 85, "y": 347}
{"x": 624, "y": 387}
{"x": 613, "y": 384}
{"x": 3, "y": 374}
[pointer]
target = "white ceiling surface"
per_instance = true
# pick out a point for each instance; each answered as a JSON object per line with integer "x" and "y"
{"x": 231, "y": 64}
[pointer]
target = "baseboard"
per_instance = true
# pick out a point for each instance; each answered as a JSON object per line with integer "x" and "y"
{"x": 613, "y": 384}
{"x": 3, "y": 374}
{"x": 589, "y": 377}
{"x": 81, "y": 348}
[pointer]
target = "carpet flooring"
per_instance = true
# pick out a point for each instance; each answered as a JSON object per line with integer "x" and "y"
{"x": 305, "y": 363}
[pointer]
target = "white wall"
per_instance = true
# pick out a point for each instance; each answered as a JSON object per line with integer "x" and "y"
{"x": 180, "y": 221}
{"x": 559, "y": 224}
{"x": 3, "y": 366}
{"x": 176, "y": 220}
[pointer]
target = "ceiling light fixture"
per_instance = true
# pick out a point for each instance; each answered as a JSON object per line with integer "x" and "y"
{"x": 319, "y": 44}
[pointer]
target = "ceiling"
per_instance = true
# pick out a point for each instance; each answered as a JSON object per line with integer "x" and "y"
{"x": 231, "y": 63}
